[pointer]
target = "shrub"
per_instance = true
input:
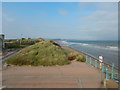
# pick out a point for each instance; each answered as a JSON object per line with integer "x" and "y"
{"x": 80, "y": 58}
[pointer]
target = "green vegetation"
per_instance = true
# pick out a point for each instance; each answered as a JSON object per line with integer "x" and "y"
{"x": 79, "y": 57}
{"x": 44, "y": 53}
{"x": 17, "y": 46}
{"x": 20, "y": 43}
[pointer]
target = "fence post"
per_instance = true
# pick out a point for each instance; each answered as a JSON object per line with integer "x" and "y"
{"x": 90, "y": 60}
{"x": 86, "y": 58}
{"x": 112, "y": 71}
{"x": 102, "y": 67}
{"x": 96, "y": 63}
{"x": 107, "y": 77}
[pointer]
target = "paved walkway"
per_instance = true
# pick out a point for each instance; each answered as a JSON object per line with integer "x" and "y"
{"x": 75, "y": 75}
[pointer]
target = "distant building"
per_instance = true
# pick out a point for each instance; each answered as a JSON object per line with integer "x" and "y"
{"x": 2, "y": 45}
{"x": 40, "y": 39}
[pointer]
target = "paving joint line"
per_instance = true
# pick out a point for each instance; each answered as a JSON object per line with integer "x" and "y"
{"x": 50, "y": 77}
{"x": 80, "y": 85}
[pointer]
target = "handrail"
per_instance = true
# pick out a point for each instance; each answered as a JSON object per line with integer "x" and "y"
{"x": 94, "y": 58}
{"x": 111, "y": 72}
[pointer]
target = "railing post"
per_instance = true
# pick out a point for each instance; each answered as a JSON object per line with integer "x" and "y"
{"x": 112, "y": 71}
{"x": 90, "y": 60}
{"x": 86, "y": 58}
{"x": 102, "y": 67}
{"x": 101, "y": 60}
{"x": 107, "y": 77}
{"x": 96, "y": 63}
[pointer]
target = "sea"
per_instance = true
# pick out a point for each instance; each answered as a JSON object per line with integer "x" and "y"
{"x": 107, "y": 49}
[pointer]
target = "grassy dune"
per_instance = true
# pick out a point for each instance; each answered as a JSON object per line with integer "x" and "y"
{"x": 44, "y": 53}
{"x": 20, "y": 43}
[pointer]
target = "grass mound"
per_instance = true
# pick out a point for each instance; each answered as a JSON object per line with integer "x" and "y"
{"x": 44, "y": 53}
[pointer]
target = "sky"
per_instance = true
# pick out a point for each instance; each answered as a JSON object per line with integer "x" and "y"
{"x": 60, "y": 20}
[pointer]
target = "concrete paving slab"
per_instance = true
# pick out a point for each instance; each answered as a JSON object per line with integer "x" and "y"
{"x": 75, "y": 75}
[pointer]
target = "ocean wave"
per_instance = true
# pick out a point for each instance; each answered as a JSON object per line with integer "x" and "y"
{"x": 68, "y": 43}
{"x": 71, "y": 43}
{"x": 64, "y": 43}
{"x": 112, "y": 47}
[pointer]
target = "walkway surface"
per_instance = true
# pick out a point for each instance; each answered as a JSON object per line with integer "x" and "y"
{"x": 74, "y": 75}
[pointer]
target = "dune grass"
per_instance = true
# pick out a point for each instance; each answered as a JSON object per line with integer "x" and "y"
{"x": 20, "y": 43}
{"x": 44, "y": 53}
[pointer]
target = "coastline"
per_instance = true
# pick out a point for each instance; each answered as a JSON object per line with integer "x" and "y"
{"x": 77, "y": 51}
{"x": 67, "y": 48}
{"x": 85, "y": 54}
{"x": 65, "y": 72}
{"x": 108, "y": 50}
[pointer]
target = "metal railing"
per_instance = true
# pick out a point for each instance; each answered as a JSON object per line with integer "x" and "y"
{"x": 111, "y": 72}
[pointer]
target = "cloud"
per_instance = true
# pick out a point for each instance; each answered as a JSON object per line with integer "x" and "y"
{"x": 63, "y": 12}
{"x": 108, "y": 6}
{"x": 7, "y": 18}
{"x": 52, "y": 25}
{"x": 56, "y": 26}
{"x": 101, "y": 25}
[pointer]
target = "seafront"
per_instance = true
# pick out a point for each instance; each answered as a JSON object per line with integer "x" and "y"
{"x": 59, "y": 45}
{"x": 78, "y": 73}
{"x": 75, "y": 75}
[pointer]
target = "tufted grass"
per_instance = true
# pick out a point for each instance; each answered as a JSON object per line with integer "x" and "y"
{"x": 44, "y": 53}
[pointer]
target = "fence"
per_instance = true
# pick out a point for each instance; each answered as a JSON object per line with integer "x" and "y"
{"x": 111, "y": 72}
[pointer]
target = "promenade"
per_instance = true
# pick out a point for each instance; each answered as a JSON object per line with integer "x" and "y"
{"x": 74, "y": 75}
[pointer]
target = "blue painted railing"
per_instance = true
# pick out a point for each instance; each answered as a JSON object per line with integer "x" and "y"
{"x": 111, "y": 72}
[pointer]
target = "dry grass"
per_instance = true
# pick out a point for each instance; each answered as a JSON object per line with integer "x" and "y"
{"x": 44, "y": 53}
